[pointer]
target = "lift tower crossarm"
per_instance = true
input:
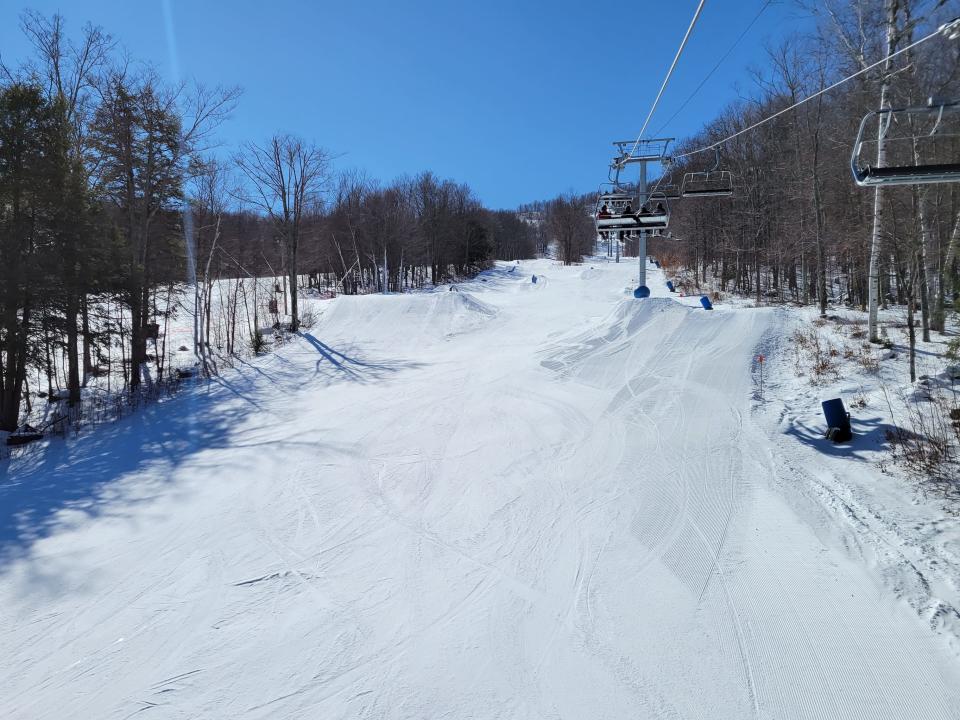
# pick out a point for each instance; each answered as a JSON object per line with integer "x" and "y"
{"x": 643, "y": 151}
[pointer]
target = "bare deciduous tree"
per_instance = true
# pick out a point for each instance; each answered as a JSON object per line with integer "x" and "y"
{"x": 287, "y": 177}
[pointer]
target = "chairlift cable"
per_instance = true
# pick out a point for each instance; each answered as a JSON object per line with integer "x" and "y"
{"x": 944, "y": 29}
{"x": 720, "y": 62}
{"x": 673, "y": 65}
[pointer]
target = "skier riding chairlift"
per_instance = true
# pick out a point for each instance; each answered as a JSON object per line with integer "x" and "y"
{"x": 628, "y": 210}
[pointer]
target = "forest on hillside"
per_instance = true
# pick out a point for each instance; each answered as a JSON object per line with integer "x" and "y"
{"x": 115, "y": 193}
{"x": 797, "y": 228}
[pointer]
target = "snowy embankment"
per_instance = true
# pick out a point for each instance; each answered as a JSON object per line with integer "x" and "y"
{"x": 505, "y": 500}
{"x": 891, "y": 513}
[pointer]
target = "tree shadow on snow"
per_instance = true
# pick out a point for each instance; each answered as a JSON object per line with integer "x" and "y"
{"x": 80, "y": 475}
{"x": 349, "y": 365}
{"x": 868, "y": 434}
{"x": 76, "y": 474}
{"x": 74, "y": 480}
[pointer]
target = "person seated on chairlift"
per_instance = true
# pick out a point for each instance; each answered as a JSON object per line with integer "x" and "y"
{"x": 628, "y": 209}
{"x": 646, "y": 211}
{"x": 604, "y": 213}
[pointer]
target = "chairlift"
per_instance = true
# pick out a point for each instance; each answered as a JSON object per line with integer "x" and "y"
{"x": 710, "y": 183}
{"x": 615, "y": 210}
{"x": 920, "y": 146}
{"x": 654, "y": 214}
{"x": 713, "y": 183}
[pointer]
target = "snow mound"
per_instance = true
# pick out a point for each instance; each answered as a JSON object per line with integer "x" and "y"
{"x": 459, "y": 301}
{"x": 638, "y": 338}
{"x": 404, "y": 319}
{"x": 585, "y": 353}
{"x": 456, "y": 312}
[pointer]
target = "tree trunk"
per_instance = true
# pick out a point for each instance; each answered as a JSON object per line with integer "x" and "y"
{"x": 912, "y": 333}
{"x": 292, "y": 266}
{"x": 73, "y": 351}
{"x": 874, "y": 275}
{"x": 11, "y": 393}
{"x": 818, "y": 213}
{"x": 87, "y": 344}
{"x": 946, "y": 272}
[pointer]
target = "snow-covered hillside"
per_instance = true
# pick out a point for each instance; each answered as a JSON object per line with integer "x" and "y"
{"x": 505, "y": 500}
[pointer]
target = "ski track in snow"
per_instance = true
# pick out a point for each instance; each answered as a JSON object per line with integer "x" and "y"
{"x": 514, "y": 500}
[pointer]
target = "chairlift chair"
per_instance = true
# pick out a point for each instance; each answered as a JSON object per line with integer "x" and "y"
{"x": 654, "y": 214}
{"x": 921, "y": 146}
{"x": 620, "y": 210}
{"x": 618, "y": 222}
{"x": 711, "y": 183}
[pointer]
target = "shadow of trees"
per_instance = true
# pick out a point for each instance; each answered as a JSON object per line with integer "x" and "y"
{"x": 80, "y": 475}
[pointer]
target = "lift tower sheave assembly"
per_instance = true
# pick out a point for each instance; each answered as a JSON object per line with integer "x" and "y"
{"x": 654, "y": 210}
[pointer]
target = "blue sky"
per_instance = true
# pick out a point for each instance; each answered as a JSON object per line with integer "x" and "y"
{"x": 518, "y": 99}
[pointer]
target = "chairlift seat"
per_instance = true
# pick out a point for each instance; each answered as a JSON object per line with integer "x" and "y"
{"x": 617, "y": 201}
{"x": 717, "y": 183}
{"x": 618, "y": 222}
{"x": 653, "y": 220}
{"x": 923, "y": 124}
{"x": 908, "y": 175}
{"x": 655, "y": 212}
{"x": 707, "y": 192}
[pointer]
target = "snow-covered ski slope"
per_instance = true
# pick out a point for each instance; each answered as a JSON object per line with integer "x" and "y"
{"x": 513, "y": 500}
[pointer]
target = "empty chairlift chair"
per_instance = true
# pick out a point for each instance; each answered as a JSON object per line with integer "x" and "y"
{"x": 710, "y": 183}
{"x": 920, "y": 145}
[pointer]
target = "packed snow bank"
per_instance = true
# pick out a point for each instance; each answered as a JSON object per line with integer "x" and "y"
{"x": 895, "y": 521}
{"x": 564, "y": 509}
